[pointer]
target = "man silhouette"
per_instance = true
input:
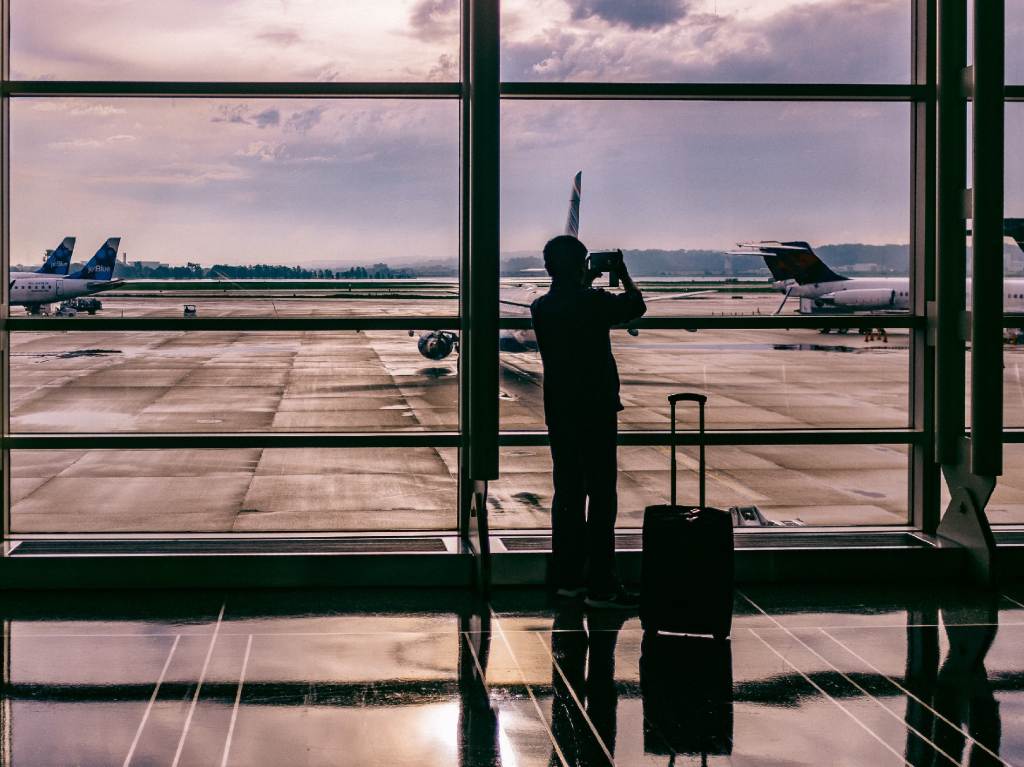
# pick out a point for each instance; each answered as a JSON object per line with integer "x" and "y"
{"x": 581, "y": 404}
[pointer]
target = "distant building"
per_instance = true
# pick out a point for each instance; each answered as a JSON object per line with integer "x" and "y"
{"x": 865, "y": 267}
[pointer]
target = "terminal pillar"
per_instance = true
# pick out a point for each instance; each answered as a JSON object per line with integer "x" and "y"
{"x": 972, "y": 464}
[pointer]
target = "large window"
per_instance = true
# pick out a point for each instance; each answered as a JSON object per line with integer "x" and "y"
{"x": 293, "y": 194}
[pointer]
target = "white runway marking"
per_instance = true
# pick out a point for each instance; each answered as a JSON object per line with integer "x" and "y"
{"x": 238, "y": 700}
{"x": 199, "y": 687}
{"x": 152, "y": 700}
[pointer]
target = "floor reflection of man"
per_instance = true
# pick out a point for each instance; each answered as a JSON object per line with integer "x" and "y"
{"x": 584, "y": 710}
{"x": 966, "y": 725}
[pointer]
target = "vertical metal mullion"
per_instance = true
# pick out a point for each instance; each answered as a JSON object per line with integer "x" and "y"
{"x": 484, "y": 238}
{"x": 950, "y": 269}
{"x": 987, "y": 282}
{"x": 465, "y": 342}
{"x": 5, "y": 264}
{"x": 924, "y": 484}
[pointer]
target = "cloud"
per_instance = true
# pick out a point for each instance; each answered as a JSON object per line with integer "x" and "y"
{"x": 435, "y": 20}
{"x": 262, "y": 151}
{"x": 266, "y": 118}
{"x": 281, "y": 37}
{"x": 305, "y": 120}
{"x": 120, "y": 138}
{"x": 231, "y": 113}
{"x": 78, "y": 109}
{"x": 830, "y": 41}
{"x": 77, "y": 143}
{"x": 635, "y": 14}
{"x": 445, "y": 70}
{"x": 96, "y": 110}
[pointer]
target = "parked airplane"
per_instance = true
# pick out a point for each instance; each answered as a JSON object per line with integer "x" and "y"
{"x": 33, "y": 290}
{"x": 57, "y": 261}
{"x": 799, "y": 272}
{"x": 439, "y": 344}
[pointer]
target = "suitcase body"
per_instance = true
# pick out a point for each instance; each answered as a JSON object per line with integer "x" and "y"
{"x": 687, "y": 560}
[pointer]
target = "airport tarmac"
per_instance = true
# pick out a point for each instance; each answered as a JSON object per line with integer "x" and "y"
{"x": 352, "y": 381}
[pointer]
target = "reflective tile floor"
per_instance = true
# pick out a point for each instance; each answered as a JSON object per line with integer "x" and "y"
{"x": 812, "y": 676}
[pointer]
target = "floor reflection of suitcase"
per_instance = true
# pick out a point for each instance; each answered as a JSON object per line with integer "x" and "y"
{"x": 687, "y": 578}
{"x": 686, "y": 684}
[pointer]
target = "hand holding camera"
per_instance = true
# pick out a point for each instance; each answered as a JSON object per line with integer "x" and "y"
{"x": 607, "y": 261}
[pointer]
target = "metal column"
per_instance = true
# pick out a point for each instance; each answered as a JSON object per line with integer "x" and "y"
{"x": 5, "y": 264}
{"x": 971, "y": 465}
{"x": 479, "y": 365}
{"x": 987, "y": 291}
{"x": 925, "y": 480}
{"x": 951, "y": 269}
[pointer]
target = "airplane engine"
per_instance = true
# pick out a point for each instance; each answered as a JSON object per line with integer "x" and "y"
{"x": 438, "y": 344}
{"x": 873, "y": 298}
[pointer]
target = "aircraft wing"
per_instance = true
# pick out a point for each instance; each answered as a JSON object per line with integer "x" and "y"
{"x": 677, "y": 296}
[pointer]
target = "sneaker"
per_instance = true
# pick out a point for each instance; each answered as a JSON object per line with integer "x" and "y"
{"x": 621, "y": 599}
{"x": 571, "y": 592}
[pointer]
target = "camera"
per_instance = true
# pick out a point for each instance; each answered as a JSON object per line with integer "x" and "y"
{"x": 609, "y": 261}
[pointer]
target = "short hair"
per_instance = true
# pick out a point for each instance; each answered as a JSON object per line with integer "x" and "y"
{"x": 564, "y": 256}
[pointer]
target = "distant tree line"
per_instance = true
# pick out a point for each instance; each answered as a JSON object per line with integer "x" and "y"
{"x": 259, "y": 272}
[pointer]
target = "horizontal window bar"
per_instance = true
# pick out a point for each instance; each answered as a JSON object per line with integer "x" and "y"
{"x": 753, "y": 321}
{"x": 210, "y": 440}
{"x": 37, "y": 324}
{"x": 1015, "y": 92}
{"x": 225, "y": 441}
{"x": 1013, "y": 437}
{"x": 698, "y": 322}
{"x": 737, "y": 437}
{"x": 716, "y": 91}
{"x": 385, "y": 90}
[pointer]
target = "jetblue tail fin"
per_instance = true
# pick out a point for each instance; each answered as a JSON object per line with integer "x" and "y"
{"x": 1014, "y": 227}
{"x": 58, "y": 260}
{"x": 100, "y": 266}
{"x": 795, "y": 261}
{"x": 572, "y": 223}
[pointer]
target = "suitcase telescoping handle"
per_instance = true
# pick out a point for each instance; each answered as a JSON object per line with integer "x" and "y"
{"x": 701, "y": 400}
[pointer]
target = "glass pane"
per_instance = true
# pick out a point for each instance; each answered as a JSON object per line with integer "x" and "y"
{"x": 233, "y": 491}
{"x": 815, "y": 484}
{"x": 677, "y": 185}
{"x": 776, "y": 379}
{"x": 1015, "y": 43}
{"x": 304, "y": 40}
{"x": 706, "y": 41}
{"x": 375, "y": 380}
{"x": 1007, "y": 504}
{"x": 322, "y": 203}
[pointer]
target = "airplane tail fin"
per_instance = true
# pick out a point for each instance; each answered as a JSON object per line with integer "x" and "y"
{"x": 795, "y": 261}
{"x": 58, "y": 260}
{"x": 572, "y": 223}
{"x": 101, "y": 265}
{"x": 1014, "y": 227}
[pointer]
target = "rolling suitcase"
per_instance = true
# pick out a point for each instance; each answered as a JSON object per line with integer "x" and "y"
{"x": 687, "y": 560}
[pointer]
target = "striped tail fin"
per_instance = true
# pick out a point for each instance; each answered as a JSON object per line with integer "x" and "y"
{"x": 101, "y": 265}
{"x": 58, "y": 260}
{"x": 572, "y": 223}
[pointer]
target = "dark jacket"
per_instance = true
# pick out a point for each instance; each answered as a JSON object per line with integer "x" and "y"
{"x": 572, "y": 324}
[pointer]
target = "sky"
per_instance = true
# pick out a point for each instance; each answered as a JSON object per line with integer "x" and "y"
{"x": 360, "y": 181}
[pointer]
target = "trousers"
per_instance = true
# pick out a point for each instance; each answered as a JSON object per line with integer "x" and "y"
{"x": 585, "y": 502}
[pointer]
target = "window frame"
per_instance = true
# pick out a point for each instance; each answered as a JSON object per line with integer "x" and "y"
{"x": 480, "y": 93}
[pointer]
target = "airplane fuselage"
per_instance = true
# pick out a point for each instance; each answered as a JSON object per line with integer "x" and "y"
{"x": 31, "y": 289}
{"x": 877, "y": 294}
